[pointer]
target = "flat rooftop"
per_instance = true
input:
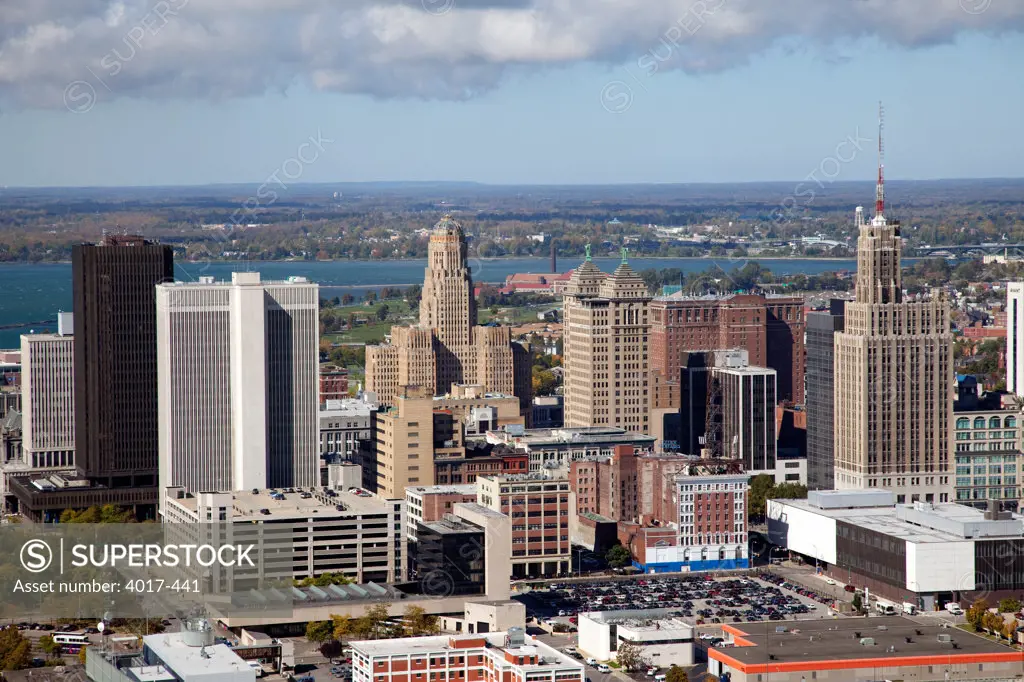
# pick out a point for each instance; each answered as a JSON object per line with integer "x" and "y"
{"x": 246, "y": 503}
{"x": 945, "y": 521}
{"x": 807, "y": 641}
{"x": 187, "y": 660}
{"x": 440, "y": 643}
{"x": 584, "y": 434}
{"x": 464, "y": 489}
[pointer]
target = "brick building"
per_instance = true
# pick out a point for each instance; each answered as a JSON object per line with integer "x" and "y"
{"x": 333, "y": 383}
{"x": 540, "y": 509}
{"x": 770, "y": 328}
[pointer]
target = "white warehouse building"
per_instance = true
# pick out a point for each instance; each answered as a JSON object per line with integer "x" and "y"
{"x": 922, "y": 553}
{"x": 665, "y": 639}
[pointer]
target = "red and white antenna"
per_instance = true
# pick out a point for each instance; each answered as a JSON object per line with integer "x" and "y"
{"x": 880, "y": 189}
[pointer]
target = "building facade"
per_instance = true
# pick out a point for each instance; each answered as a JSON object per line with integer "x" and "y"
{"x": 1015, "y": 337}
{"x": 116, "y": 422}
{"x": 607, "y": 372}
{"x": 893, "y": 378}
{"x": 551, "y": 449}
{"x": 540, "y": 510}
{"x": 333, "y": 383}
{"x": 483, "y": 657}
{"x": 48, "y": 394}
{"x": 821, "y": 335}
{"x": 343, "y": 424}
{"x": 426, "y": 504}
{"x": 748, "y": 416}
{"x": 988, "y": 447}
{"x": 447, "y": 347}
{"x": 238, "y": 383}
{"x": 770, "y": 328}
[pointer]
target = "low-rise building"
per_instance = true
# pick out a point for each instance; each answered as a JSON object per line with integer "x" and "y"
{"x": 354, "y": 534}
{"x": 852, "y": 649}
{"x": 664, "y": 639}
{"x": 922, "y": 553}
{"x": 509, "y": 656}
{"x": 425, "y": 504}
{"x": 343, "y": 423}
{"x": 548, "y": 411}
{"x": 540, "y": 510}
{"x": 333, "y": 383}
{"x": 557, "y": 448}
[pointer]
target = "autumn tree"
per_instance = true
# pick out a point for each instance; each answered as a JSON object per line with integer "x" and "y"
{"x": 631, "y": 657}
{"x": 417, "y": 622}
{"x": 318, "y": 631}
{"x": 15, "y": 649}
{"x": 676, "y": 674}
{"x": 331, "y": 649}
{"x": 976, "y": 614}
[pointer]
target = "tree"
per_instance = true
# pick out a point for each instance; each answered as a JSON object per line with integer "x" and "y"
{"x": 618, "y": 556}
{"x": 373, "y": 621}
{"x": 993, "y": 622}
{"x": 857, "y": 602}
{"x": 1009, "y": 605}
{"x": 108, "y": 513}
{"x": 82, "y": 655}
{"x": 15, "y": 650}
{"x": 47, "y": 644}
{"x": 347, "y": 299}
{"x": 544, "y": 381}
{"x": 676, "y": 674}
{"x": 383, "y": 312}
{"x": 976, "y": 614}
{"x": 417, "y": 622}
{"x": 760, "y": 486}
{"x": 631, "y": 657}
{"x": 370, "y": 296}
{"x": 331, "y": 649}
{"x": 342, "y": 627}
{"x": 318, "y": 631}
{"x": 1010, "y": 629}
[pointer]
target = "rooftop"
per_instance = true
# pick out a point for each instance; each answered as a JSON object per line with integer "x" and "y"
{"x": 808, "y": 641}
{"x": 185, "y": 660}
{"x": 465, "y": 489}
{"x": 920, "y": 522}
{"x": 294, "y": 505}
{"x": 583, "y": 434}
{"x": 640, "y": 619}
{"x": 549, "y": 656}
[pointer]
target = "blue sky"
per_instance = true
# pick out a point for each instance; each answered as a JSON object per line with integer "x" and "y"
{"x": 777, "y": 111}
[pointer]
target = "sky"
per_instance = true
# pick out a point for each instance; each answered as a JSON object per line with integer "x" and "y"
{"x": 190, "y": 92}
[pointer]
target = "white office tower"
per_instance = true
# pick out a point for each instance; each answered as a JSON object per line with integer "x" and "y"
{"x": 1015, "y": 338}
{"x": 48, "y": 397}
{"x": 238, "y": 386}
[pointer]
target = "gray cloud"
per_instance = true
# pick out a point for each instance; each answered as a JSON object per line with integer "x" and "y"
{"x": 449, "y": 49}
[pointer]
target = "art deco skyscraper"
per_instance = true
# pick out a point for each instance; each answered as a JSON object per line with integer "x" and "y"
{"x": 607, "y": 371}
{"x": 447, "y": 347}
{"x": 893, "y": 376}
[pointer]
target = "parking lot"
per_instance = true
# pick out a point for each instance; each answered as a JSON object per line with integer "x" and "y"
{"x": 699, "y": 599}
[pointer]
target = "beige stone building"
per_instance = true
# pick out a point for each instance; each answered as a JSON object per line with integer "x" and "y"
{"x": 606, "y": 331}
{"x": 893, "y": 378}
{"x": 421, "y": 427}
{"x": 447, "y": 347}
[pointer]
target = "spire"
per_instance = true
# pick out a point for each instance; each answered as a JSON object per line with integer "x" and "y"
{"x": 880, "y": 189}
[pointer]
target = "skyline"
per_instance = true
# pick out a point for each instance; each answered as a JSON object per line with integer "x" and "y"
{"x": 664, "y": 98}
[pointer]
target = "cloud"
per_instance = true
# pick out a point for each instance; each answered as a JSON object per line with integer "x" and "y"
{"x": 448, "y": 49}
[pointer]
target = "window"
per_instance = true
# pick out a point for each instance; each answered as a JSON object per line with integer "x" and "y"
{"x": 963, "y": 423}
{"x": 1010, "y": 423}
{"x": 979, "y": 423}
{"x": 993, "y": 423}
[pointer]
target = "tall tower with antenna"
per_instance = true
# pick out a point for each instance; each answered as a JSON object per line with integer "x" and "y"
{"x": 893, "y": 372}
{"x": 880, "y": 187}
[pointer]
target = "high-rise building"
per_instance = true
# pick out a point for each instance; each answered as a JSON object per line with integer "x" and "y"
{"x": 607, "y": 372}
{"x": 748, "y": 416}
{"x": 447, "y": 347}
{"x": 893, "y": 376}
{"x": 116, "y": 431}
{"x": 48, "y": 394}
{"x": 1015, "y": 338}
{"x": 770, "y": 328}
{"x": 821, "y": 336}
{"x": 238, "y": 383}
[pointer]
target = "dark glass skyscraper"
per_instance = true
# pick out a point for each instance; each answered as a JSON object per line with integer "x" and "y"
{"x": 821, "y": 334}
{"x": 115, "y": 361}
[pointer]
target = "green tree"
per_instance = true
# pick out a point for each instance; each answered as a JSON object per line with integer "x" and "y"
{"x": 47, "y": 644}
{"x": 1009, "y": 605}
{"x": 676, "y": 674}
{"x": 318, "y": 631}
{"x": 383, "y": 311}
{"x": 618, "y": 556}
{"x": 857, "y": 602}
{"x": 108, "y": 513}
{"x": 760, "y": 486}
{"x": 347, "y": 299}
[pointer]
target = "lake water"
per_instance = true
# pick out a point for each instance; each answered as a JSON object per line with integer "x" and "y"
{"x": 30, "y": 293}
